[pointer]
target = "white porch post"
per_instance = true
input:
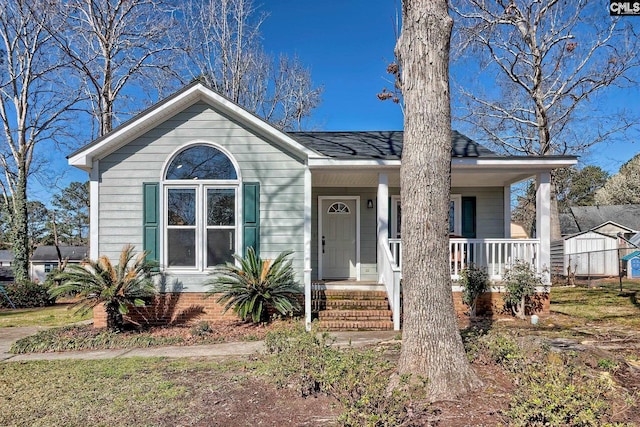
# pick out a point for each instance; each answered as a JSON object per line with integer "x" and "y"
{"x": 94, "y": 205}
{"x": 307, "y": 248}
{"x": 543, "y": 223}
{"x": 507, "y": 211}
{"x": 383, "y": 210}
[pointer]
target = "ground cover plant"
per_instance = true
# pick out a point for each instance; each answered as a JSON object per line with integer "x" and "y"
{"x": 85, "y": 337}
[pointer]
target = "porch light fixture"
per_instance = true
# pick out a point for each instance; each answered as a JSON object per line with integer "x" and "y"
{"x": 369, "y": 204}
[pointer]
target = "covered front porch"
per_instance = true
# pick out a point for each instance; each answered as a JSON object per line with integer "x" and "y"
{"x": 480, "y": 218}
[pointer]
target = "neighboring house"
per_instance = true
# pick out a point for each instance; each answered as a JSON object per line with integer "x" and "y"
{"x": 45, "y": 259}
{"x": 6, "y": 272}
{"x": 6, "y": 258}
{"x": 196, "y": 178}
{"x": 594, "y": 239}
{"x": 611, "y": 220}
{"x": 518, "y": 231}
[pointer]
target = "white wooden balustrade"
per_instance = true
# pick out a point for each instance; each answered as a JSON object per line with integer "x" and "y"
{"x": 496, "y": 255}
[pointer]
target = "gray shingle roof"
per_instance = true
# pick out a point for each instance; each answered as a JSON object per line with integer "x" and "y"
{"x": 48, "y": 253}
{"x": 386, "y": 145}
{"x": 568, "y": 224}
{"x": 588, "y": 217}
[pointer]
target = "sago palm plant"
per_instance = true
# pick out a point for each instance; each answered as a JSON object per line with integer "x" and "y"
{"x": 255, "y": 285}
{"x": 118, "y": 287}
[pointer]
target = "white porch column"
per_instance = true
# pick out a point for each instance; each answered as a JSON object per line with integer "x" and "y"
{"x": 94, "y": 206}
{"x": 543, "y": 222}
{"x": 307, "y": 247}
{"x": 507, "y": 211}
{"x": 383, "y": 209}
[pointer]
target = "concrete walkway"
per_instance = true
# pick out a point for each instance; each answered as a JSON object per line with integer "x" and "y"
{"x": 9, "y": 335}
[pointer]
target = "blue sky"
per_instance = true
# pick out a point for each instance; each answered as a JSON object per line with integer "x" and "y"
{"x": 348, "y": 45}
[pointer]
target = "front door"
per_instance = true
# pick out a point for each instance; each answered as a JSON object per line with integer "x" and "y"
{"x": 338, "y": 232}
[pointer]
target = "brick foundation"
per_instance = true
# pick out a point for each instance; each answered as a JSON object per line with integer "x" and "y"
{"x": 189, "y": 308}
{"x": 171, "y": 308}
{"x": 492, "y": 304}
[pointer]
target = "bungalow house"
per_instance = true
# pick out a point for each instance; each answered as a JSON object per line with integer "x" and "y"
{"x": 196, "y": 178}
{"x": 45, "y": 259}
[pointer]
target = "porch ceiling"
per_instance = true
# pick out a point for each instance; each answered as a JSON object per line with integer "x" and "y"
{"x": 459, "y": 178}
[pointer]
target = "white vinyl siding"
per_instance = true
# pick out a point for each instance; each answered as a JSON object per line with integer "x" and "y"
{"x": 280, "y": 174}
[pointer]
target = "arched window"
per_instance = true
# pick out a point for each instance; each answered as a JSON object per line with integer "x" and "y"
{"x": 200, "y": 215}
{"x": 338, "y": 208}
{"x": 201, "y": 162}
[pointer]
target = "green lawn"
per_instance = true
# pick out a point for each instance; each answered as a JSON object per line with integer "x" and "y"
{"x": 56, "y": 315}
{"x": 600, "y": 303}
{"x": 118, "y": 392}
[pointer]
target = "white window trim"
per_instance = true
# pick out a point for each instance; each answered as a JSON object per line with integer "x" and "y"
{"x": 201, "y": 228}
{"x": 395, "y": 204}
{"x": 457, "y": 214}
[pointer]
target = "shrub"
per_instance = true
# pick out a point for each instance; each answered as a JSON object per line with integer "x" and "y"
{"x": 557, "y": 393}
{"x": 100, "y": 282}
{"x": 475, "y": 282}
{"x": 520, "y": 282}
{"x": 256, "y": 286}
{"x": 357, "y": 379}
{"x": 493, "y": 347}
{"x": 26, "y": 295}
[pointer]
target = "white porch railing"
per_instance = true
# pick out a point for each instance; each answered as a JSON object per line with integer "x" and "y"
{"x": 389, "y": 274}
{"x": 496, "y": 255}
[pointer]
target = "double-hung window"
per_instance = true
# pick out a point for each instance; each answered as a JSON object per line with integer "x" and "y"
{"x": 201, "y": 201}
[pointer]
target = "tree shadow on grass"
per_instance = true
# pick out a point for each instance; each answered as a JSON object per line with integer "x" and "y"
{"x": 633, "y": 297}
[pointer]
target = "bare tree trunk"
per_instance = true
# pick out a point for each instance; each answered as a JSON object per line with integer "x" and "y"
{"x": 431, "y": 342}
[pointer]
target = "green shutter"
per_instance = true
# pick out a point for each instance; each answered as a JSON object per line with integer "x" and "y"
{"x": 251, "y": 213}
{"x": 151, "y": 226}
{"x": 469, "y": 217}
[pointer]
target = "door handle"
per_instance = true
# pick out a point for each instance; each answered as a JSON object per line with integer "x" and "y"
{"x": 323, "y": 243}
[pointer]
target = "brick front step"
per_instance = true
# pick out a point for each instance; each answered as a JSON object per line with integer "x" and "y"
{"x": 354, "y": 295}
{"x": 353, "y": 310}
{"x": 354, "y": 315}
{"x": 355, "y": 325}
{"x": 349, "y": 304}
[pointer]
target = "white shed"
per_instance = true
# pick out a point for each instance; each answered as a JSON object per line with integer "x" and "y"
{"x": 591, "y": 253}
